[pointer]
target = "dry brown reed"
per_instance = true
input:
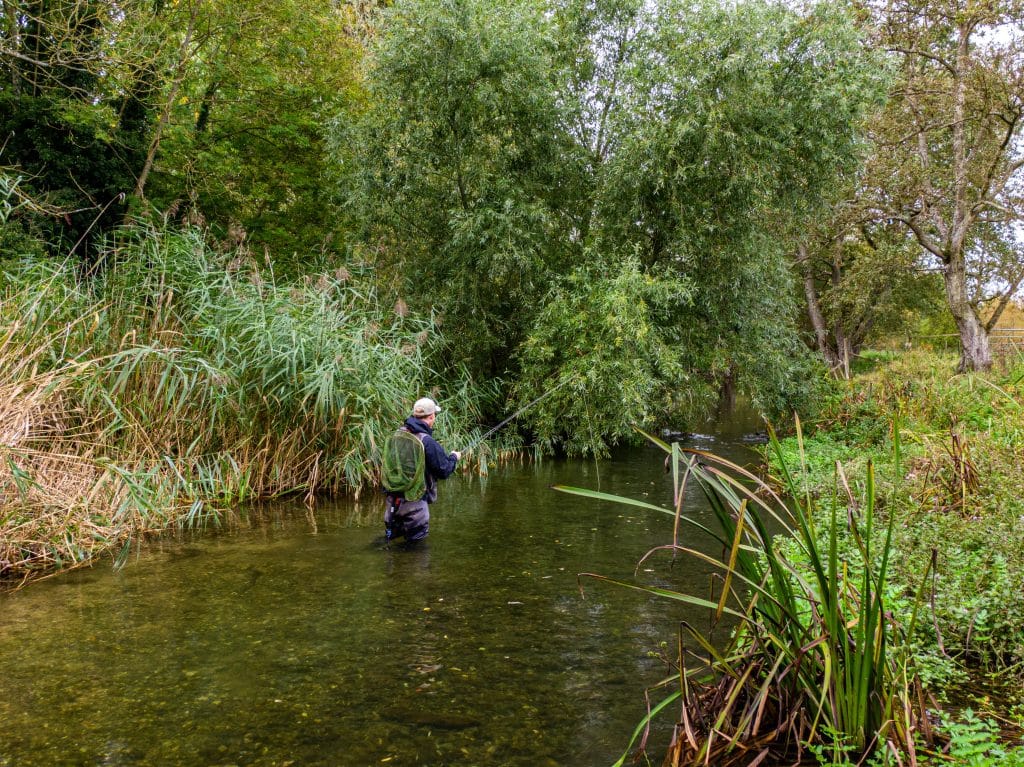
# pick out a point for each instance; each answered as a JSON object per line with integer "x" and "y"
{"x": 61, "y": 501}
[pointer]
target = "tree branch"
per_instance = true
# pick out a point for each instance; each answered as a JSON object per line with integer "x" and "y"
{"x": 923, "y": 238}
{"x": 924, "y": 55}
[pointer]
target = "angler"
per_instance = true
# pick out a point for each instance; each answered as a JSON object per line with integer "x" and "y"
{"x": 413, "y": 463}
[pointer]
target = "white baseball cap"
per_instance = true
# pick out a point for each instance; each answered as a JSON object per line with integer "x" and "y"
{"x": 424, "y": 407}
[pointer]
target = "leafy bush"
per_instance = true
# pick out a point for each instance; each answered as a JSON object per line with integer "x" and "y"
{"x": 976, "y": 742}
{"x": 600, "y": 341}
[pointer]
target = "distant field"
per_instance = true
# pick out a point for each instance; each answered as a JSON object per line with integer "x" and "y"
{"x": 1008, "y": 335}
{"x": 1013, "y": 317}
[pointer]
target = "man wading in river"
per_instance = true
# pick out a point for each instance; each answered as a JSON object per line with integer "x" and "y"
{"x": 413, "y": 463}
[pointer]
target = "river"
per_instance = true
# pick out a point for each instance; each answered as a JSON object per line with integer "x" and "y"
{"x": 290, "y": 637}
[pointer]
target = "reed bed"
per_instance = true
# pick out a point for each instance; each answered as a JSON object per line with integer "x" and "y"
{"x": 177, "y": 380}
{"x": 61, "y": 499}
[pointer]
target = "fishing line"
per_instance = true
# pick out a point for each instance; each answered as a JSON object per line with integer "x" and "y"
{"x": 593, "y": 444}
{"x": 518, "y": 413}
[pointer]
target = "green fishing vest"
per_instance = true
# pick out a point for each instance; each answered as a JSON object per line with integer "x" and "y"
{"x": 404, "y": 470}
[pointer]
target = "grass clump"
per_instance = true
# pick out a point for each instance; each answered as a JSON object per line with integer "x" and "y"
{"x": 176, "y": 376}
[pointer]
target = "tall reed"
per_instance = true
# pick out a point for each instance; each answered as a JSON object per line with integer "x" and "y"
{"x": 176, "y": 376}
{"x": 815, "y": 663}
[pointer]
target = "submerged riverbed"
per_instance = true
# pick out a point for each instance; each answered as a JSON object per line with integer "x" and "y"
{"x": 291, "y": 637}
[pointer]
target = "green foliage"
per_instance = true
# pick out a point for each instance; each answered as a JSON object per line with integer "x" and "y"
{"x": 244, "y": 147}
{"x": 218, "y": 105}
{"x": 773, "y": 366}
{"x": 958, "y": 493}
{"x": 816, "y": 655}
{"x": 17, "y": 238}
{"x": 69, "y": 125}
{"x": 976, "y": 742}
{"x": 454, "y": 168}
{"x": 717, "y": 172}
{"x": 604, "y": 336}
{"x": 864, "y": 280}
{"x": 507, "y": 147}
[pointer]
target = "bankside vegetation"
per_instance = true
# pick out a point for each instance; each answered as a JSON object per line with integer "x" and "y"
{"x": 206, "y": 205}
{"x": 953, "y": 499}
{"x": 179, "y": 376}
{"x": 488, "y": 158}
{"x": 815, "y": 666}
{"x": 873, "y": 580}
{"x": 956, "y": 495}
{"x": 485, "y": 159}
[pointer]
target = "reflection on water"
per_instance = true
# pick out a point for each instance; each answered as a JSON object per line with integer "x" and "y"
{"x": 294, "y": 639}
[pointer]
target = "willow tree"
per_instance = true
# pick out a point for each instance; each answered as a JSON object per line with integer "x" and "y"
{"x": 950, "y": 159}
{"x": 529, "y": 170}
{"x": 740, "y": 123}
{"x": 461, "y": 171}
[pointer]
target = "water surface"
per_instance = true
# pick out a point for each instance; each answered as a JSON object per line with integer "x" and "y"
{"x": 291, "y": 638}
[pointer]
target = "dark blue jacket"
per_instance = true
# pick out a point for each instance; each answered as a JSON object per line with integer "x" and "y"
{"x": 440, "y": 463}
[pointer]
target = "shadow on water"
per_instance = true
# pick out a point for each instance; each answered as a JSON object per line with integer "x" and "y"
{"x": 291, "y": 638}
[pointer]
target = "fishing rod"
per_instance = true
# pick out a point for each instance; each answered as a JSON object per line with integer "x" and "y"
{"x": 516, "y": 414}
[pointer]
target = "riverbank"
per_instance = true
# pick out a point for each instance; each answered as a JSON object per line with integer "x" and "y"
{"x": 178, "y": 380}
{"x": 948, "y": 453}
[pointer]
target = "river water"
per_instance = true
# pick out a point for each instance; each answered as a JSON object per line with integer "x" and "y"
{"x": 290, "y": 637}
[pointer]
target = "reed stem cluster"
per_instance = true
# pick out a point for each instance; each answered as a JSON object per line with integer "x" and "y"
{"x": 176, "y": 380}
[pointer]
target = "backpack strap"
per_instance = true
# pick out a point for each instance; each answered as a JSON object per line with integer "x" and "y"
{"x": 419, "y": 435}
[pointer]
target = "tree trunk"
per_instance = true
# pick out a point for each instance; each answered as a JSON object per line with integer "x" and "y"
{"x": 13, "y": 35}
{"x": 727, "y": 393}
{"x": 975, "y": 353}
{"x": 181, "y": 69}
{"x": 814, "y": 312}
{"x": 974, "y": 349}
{"x": 842, "y": 345}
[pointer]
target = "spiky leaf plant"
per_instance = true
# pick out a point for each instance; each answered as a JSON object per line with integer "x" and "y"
{"x": 815, "y": 664}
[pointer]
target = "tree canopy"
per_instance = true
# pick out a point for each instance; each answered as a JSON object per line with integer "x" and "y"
{"x": 515, "y": 155}
{"x": 632, "y": 202}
